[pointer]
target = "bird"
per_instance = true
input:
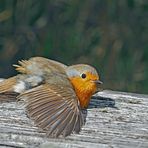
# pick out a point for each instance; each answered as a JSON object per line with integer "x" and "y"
{"x": 55, "y": 94}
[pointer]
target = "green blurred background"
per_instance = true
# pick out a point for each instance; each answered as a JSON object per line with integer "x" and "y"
{"x": 111, "y": 35}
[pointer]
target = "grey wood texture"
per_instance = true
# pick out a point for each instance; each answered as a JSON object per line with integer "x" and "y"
{"x": 114, "y": 120}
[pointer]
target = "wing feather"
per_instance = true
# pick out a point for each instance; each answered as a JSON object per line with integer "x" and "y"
{"x": 53, "y": 108}
{"x": 64, "y": 123}
{"x": 51, "y": 120}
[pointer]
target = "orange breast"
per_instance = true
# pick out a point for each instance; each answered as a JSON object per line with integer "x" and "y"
{"x": 84, "y": 90}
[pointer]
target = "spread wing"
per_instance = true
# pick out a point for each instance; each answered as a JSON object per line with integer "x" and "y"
{"x": 55, "y": 109}
{"x": 52, "y": 102}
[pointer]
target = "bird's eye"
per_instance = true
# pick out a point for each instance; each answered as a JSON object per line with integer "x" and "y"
{"x": 83, "y": 75}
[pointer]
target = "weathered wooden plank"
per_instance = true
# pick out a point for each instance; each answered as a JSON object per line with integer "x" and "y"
{"x": 114, "y": 119}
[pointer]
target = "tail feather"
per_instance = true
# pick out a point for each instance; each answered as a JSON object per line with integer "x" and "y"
{"x": 8, "y": 96}
{"x": 6, "y": 89}
{"x": 22, "y": 67}
{"x": 7, "y": 85}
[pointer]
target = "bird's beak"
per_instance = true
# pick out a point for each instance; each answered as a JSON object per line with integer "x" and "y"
{"x": 98, "y": 82}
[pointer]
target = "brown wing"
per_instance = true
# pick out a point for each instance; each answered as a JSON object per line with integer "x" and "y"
{"x": 40, "y": 66}
{"x": 55, "y": 109}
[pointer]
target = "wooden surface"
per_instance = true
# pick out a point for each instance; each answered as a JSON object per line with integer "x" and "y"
{"x": 114, "y": 119}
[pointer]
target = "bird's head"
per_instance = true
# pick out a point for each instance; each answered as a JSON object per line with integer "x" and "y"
{"x": 85, "y": 81}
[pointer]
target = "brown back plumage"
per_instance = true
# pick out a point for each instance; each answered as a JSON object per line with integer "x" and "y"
{"x": 40, "y": 66}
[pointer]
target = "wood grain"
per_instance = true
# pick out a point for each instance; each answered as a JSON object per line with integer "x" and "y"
{"x": 114, "y": 119}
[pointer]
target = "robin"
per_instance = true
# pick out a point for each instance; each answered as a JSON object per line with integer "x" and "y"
{"x": 54, "y": 94}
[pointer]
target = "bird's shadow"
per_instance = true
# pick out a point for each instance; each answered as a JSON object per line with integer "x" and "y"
{"x": 99, "y": 102}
